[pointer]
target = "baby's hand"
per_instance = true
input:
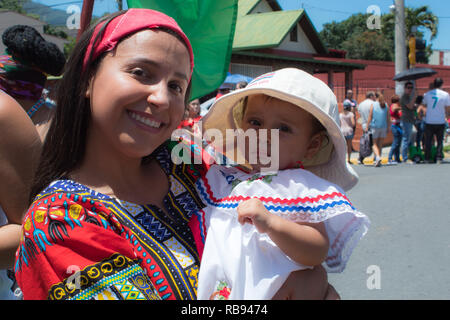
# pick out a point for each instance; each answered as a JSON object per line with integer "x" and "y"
{"x": 253, "y": 211}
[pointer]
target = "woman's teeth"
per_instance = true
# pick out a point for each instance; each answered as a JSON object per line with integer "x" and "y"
{"x": 146, "y": 121}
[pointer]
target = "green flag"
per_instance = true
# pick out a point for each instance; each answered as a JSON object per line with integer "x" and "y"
{"x": 209, "y": 25}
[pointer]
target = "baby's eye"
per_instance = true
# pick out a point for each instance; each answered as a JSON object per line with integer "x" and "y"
{"x": 284, "y": 128}
{"x": 254, "y": 122}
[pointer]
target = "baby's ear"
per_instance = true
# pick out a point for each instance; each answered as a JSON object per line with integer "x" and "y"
{"x": 314, "y": 145}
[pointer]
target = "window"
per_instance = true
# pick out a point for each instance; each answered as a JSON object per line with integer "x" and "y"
{"x": 293, "y": 36}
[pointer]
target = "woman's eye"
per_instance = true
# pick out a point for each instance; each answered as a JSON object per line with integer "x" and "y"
{"x": 138, "y": 72}
{"x": 176, "y": 87}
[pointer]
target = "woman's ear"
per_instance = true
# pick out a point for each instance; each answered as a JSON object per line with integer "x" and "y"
{"x": 87, "y": 93}
{"x": 314, "y": 145}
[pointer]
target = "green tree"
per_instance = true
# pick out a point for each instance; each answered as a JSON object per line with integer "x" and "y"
{"x": 349, "y": 34}
{"x": 335, "y": 33}
{"x": 369, "y": 45}
{"x": 353, "y": 36}
{"x": 68, "y": 47}
{"x": 13, "y": 5}
{"x": 420, "y": 17}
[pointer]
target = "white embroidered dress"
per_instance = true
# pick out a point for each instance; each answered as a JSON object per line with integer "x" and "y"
{"x": 248, "y": 262}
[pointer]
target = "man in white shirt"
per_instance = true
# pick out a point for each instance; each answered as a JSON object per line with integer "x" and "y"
{"x": 437, "y": 102}
{"x": 364, "y": 110}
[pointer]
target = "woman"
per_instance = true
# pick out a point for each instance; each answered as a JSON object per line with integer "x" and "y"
{"x": 112, "y": 217}
{"x": 395, "y": 111}
{"x": 348, "y": 123}
{"x": 192, "y": 115}
{"x": 378, "y": 122}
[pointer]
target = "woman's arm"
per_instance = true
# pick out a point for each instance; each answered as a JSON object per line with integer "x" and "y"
{"x": 310, "y": 284}
{"x": 9, "y": 242}
{"x": 369, "y": 120}
{"x": 305, "y": 243}
{"x": 353, "y": 119}
{"x": 20, "y": 147}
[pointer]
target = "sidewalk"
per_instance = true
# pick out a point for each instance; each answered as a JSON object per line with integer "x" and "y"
{"x": 384, "y": 155}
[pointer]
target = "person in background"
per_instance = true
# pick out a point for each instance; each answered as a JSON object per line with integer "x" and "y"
{"x": 364, "y": 109}
{"x": 350, "y": 102}
{"x": 437, "y": 102}
{"x": 420, "y": 122}
{"x": 348, "y": 121}
{"x": 224, "y": 89}
{"x": 378, "y": 124}
{"x": 395, "y": 111}
{"x": 241, "y": 85}
{"x": 192, "y": 115}
{"x": 23, "y": 124}
{"x": 24, "y": 68}
{"x": 407, "y": 118}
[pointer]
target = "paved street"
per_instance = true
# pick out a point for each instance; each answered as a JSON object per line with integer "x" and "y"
{"x": 408, "y": 244}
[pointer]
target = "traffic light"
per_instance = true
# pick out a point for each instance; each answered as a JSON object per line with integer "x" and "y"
{"x": 416, "y": 51}
{"x": 421, "y": 55}
{"x": 412, "y": 51}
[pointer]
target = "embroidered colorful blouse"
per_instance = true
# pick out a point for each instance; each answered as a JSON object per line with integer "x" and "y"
{"x": 81, "y": 244}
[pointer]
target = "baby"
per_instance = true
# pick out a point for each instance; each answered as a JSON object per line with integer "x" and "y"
{"x": 263, "y": 224}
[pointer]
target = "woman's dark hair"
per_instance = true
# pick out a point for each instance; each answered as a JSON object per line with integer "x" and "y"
{"x": 26, "y": 45}
{"x": 395, "y": 98}
{"x": 65, "y": 143}
{"x": 419, "y": 99}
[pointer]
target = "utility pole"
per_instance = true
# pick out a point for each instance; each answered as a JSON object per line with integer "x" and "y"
{"x": 86, "y": 15}
{"x": 400, "y": 42}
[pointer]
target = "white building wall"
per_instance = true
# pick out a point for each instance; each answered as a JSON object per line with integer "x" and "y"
{"x": 447, "y": 58}
{"x": 301, "y": 45}
{"x": 435, "y": 57}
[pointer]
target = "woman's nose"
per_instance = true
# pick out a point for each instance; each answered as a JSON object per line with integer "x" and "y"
{"x": 159, "y": 95}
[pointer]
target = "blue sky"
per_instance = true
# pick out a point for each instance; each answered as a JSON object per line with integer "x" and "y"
{"x": 320, "y": 12}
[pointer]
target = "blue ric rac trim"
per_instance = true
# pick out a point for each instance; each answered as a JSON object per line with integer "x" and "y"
{"x": 282, "y": 208}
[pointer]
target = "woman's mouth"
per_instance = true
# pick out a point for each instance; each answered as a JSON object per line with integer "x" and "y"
{"x": 145, "y": 120}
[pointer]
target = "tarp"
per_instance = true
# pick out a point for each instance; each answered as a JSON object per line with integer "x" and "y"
{"x": 209, "y": 25}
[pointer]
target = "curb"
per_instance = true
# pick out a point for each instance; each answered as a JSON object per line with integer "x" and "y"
{"x": 384, "y": 160}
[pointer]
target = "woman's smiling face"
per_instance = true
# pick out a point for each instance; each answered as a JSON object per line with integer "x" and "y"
{"x": 137, "y": 94}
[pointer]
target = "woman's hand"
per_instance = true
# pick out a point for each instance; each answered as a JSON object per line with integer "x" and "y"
{"x": 311, "y": 284}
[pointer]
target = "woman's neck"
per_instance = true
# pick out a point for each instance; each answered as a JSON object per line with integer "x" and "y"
{"x": 106, "y": 170}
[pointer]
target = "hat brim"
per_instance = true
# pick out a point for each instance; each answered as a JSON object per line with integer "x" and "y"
{"x": 336, "y": 170}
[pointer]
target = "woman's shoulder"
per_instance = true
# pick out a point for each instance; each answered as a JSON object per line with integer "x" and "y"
{"x": 69, "y": 187}
{"x": 69, "y": 202}
{"x": 12, "y": 117}
{"x": 10, "y": 109}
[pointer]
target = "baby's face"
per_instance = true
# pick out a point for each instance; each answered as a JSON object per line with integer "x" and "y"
{"x": 294, "y": 126}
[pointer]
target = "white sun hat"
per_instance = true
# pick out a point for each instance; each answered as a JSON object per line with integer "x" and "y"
{"x": 307, "y": 92}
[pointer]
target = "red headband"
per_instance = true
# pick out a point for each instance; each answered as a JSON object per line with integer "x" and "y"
{"x": 128, "y": 23}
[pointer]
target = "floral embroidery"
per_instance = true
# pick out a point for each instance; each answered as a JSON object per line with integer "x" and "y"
{"x": 222, "y": 291}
